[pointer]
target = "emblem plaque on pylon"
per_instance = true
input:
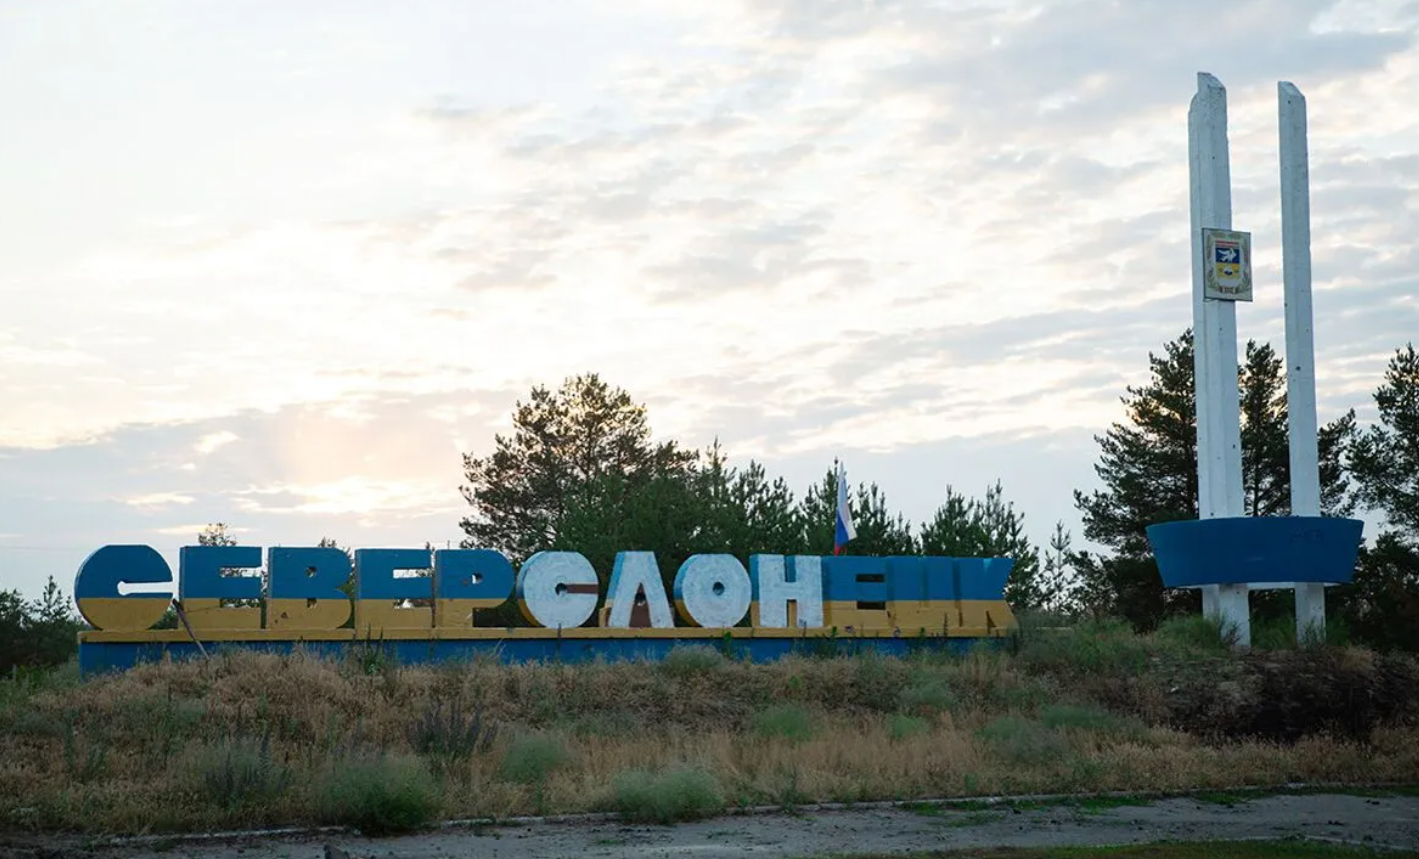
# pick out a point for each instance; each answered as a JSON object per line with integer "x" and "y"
{"x": 1227, "y": 269}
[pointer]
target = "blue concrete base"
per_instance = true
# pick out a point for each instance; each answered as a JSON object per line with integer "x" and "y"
{"x": 1256, "y": 550}
{"x": 96, "y": 657}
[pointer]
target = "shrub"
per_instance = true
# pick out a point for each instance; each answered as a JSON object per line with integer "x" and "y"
{"x": 1090, "y": 649}
{"x": 789, "y": 721}
{"x": 1084, "y": 718}
{"x": 928, "y": 698}
{"x": 1184, "y": 636}
{"x": 689, "y": 660}
{"x": 237, "y": 773}
{"x": 1023, "y": 741}
{"x": 533, "y": 757}
{"x": 687, "y": 793}
{"x": 901, "y": 727}
{"x": 876, "y": 682}
{"x": 378, "y": 796}
{"x": 1274, "y": 633}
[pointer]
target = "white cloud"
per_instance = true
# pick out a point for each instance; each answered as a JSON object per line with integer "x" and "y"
{"x": 369, "y": 499}
{"x": 213, "y": 441}
{"x": 158, "y": 499}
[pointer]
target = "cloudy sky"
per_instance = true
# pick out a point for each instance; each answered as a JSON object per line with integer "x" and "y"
{"x": 279, "y": 264}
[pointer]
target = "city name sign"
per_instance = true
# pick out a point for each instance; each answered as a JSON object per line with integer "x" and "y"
{"x": 312, "y": 593}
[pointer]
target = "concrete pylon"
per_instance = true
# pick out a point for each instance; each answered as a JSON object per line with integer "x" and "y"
{"x": 1219, "y": 437}
{"x": 1300, "y": 337}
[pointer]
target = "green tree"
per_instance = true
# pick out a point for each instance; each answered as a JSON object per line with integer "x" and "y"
{"x": 878, "y": 531}
{"x": 1381, "y": 607}
{"x": 1385, "y": 458}
{"x": 14, "y": 638}
{"x": 53, "y": 629}
{"x": 41, "y": 633}
{"x": 585, "y": 443}
{"x": 1148, "y": 467}
{"x": 988, "y": 528}
{"x": 764, "y": 519}
{"x": 218, "y": 534}
{"x": 215, "y": 534}
{"x": 1059, "y": 590}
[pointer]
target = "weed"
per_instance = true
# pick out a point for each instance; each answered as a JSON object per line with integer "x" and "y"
{"x": 606, "y": 723}
{"x": 901, "y": 726}
{"x": 26, "y": 721}
{"x": 1081, "y": 717}
{"x": 377, "y": 795}
{"x": 533, "y": 757}
{"x": 1023, "y": 741}
{"x": 791, "y": 722}
{"x": 238, "y": 773}
{"x": 790, "y": 794}
{"x": 685, "y": 793}
{"x": 446, "y": 738}
{"x": 929, "y": 697}
{"x": 876, "y": 682}
{"x": 1083, "y": 772}
{"x": 1090, "y": 649}
{"x": 974, "y": 818}
{"x": 87, "y": 760}
{"x": 690, "y": 660}
{"x": 370, "y": 657}
{"x": 1192, "y": 634}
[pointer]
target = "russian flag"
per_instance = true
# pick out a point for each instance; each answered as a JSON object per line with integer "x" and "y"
{"x": 843, "y": 529}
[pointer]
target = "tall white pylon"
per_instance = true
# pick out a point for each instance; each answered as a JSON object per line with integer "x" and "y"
{"x": 1219, "y": 437}
{"x": 1300, "y": 337}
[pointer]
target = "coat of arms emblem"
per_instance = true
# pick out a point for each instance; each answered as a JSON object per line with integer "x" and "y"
{"x": 1227, "y": 270}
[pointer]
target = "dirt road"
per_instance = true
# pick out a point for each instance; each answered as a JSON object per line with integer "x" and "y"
{"x": 1377, "y": 821}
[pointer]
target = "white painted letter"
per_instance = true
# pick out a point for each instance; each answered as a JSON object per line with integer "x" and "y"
{"x": 712, "y": 591}
{"x": 557, "y": 589}
{"x": 636, "y": 572}
{"x": 774, "y": 591}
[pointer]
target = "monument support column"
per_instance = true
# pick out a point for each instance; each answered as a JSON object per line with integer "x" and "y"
{"x": 1219, "y": 440}
{"x": 1300, "y": 338}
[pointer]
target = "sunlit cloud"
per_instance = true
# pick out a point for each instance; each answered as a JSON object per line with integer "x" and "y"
{"x": 354, "y": 496}
{"x": 158, "y": 499}
{"x": 208, "y": 443}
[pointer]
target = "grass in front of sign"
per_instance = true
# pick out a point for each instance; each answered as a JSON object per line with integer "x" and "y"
{"x": 244, "y": 739}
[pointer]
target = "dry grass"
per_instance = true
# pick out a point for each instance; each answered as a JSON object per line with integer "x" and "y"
{"x": 144, "y": 751}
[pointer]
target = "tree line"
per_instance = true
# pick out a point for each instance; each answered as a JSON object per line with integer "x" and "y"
{"x": 581, "y": 471}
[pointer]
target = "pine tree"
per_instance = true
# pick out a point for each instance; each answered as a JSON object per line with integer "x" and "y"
{"x": 1382, "y": 606}
{"x": 990, "y": 528}
{"x": 586, "y": 443}
{"x": 1148, "y": 466}
{"x": 1385, "y": 458}
{"x": 879, "y": 532}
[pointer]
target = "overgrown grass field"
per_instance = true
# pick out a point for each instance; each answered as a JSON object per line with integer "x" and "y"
{"x": 244, "y": 740}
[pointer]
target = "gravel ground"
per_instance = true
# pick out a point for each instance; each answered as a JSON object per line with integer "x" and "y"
{"x": 1377, "y": 821}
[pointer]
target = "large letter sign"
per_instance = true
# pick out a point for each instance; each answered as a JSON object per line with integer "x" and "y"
{"x": 434, "y": 605}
